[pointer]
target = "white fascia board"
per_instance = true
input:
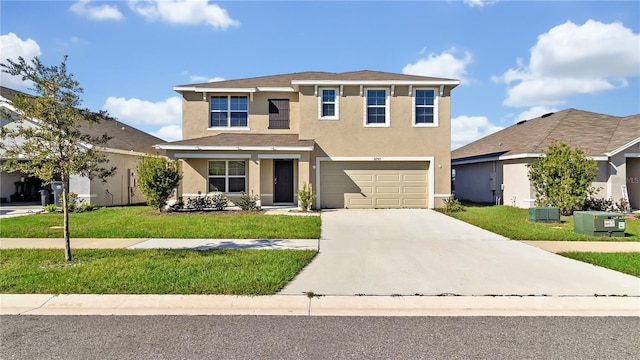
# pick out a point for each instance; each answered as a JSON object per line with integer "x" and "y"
{"x": 234, "y": 148}
{"x": 632, "y": 155}
{"x": 212, "y": 89}
{"x": 377, "y": 82}
{"x": 275, "y": 89}
{"x": 210, "y": 156}
{"x": 598, "y": 158}
{"x": 122, "y": 152}
{"x": 520, "y": 156}
{"x": 474, "y": 161}
{"x": 623, "y": 147}
{"x": 279, "y": 156}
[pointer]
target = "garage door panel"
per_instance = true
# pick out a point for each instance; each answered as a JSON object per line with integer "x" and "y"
{"x": 387, "y": 190}
{"x": 374, "y": 184}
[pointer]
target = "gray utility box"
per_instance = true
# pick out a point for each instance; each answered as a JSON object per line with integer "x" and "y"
{"x": 599, "y": 223}
{"x": 544, "y": 214}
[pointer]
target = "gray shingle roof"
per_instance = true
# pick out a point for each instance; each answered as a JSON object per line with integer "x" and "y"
{"x": 595, "y": 133}
{"x": 284, "y": 80}
{"x": 228, "y": 139}
{"x": 124, "y": 137}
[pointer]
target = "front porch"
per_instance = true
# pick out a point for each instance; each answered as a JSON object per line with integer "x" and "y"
{"x": 271, "y": 167}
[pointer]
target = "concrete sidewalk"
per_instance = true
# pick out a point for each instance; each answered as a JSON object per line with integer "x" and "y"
{"x": 197, "y": 244}
{"x": 319, "y": 306}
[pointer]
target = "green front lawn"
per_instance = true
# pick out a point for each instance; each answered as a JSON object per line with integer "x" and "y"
{"x": 143, "y": 222}
{"x": 513, "y": 223}
{"x": 628, "y": 262}
{"x": 153, "y": 271}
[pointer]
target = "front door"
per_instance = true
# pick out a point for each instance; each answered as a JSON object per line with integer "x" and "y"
{"x": 283, "y": 181}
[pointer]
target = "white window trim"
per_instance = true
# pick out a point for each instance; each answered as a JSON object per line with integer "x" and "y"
{"x": 227, "y": 176}
{"x": 387, "y": 111}
{"x": 336, "y": 102}
{"x": 228, "y": 127}
{"x": 436, "y": 98}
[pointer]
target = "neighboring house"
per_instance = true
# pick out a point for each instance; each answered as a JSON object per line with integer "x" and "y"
{"x": 363, "y": 139}
{"x": 123, "y": 150}
{"x": 493, "y": 169}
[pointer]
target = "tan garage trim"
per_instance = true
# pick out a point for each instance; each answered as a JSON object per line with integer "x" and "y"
{"x": 367, "y": 182}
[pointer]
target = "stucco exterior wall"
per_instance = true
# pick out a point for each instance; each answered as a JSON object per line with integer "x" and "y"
{"x": 349, "y": 137}
{"x": 119, "y": 189}
{"x": 196, "y": 111}
{"x": 517, "y": 187}
{"x": 633, "y": 181}
{"x": 479, "y": 182}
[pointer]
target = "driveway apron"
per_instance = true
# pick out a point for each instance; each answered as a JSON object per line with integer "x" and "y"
{"x": 422, "y": 252}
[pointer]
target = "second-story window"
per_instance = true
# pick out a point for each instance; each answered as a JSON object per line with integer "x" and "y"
{"x": 377, "y": 108}
{"x": 328, "y": 104}
{"x": 278, "y": 113}
{"x": 229, "y": 111}
{"x": 425, "y": 109}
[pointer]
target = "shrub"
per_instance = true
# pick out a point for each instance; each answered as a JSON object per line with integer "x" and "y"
{"x": 72, "y": 201}
{"x": 305, "y": 197}
{"x": 248, "y": 202}
{"x": 157, "y": 178}
{"x": 452, "y": 205}
{"x": 51, "y": 208}
{"x": 86, "y": 207}
{"x": 219, "y": 201}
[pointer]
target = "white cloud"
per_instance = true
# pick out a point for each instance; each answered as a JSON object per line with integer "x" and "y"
{"x": 136, "y": 111}
{"x": 169, "y": 133}
{"x": 479, "y": 3}
{"x": 534, "y": 112}
{"x": 184, "y": 12}
{"x": 203, "y": 79}
{"x": 466, "y": 129}
{"x": 12, "y": 48}
{"x": 97, "y": 12}
{"x": 445, "y": 65}
{"x": 574, "y": 59}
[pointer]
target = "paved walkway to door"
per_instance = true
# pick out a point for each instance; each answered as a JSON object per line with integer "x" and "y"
{"x": 423, "y": 252}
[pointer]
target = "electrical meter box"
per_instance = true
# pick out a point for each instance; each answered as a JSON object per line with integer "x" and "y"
{"x": 599, "y": 223}
{"x": 544, "y": 214}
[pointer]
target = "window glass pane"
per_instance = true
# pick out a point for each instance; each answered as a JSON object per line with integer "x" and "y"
{"x": 217, "y": 168}
{"x": 239, "y": 103}
{"x": 218, "y": 119}
{"x": 328, "y": 109}
{"x": 238, "y": 119}
{"x": 217, "y": 184}
{"x": 425, "y": 97}
{"x": 236, "y": 184}
{"x": 375, "y": 116}
{"x": 219, "y": 103}
{"x": 376, "y": 97}
{"x": 328, "y": 95}
{"x": 424, "y": 115}
{"x": 236, "y": 168}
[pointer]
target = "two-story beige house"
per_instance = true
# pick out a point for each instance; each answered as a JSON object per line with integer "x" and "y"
{"x": 363, "y": 139}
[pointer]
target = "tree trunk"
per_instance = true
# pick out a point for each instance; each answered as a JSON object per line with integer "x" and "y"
{"x": 65, "y": 212}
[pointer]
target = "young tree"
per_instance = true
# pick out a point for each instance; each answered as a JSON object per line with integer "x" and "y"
{"x": 157, "y": 178}
{"x": 563, "y": 177}
{"x": 55, "y": 148}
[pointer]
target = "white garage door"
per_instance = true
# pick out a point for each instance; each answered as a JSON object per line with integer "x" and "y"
{"x": 363, "y": 185}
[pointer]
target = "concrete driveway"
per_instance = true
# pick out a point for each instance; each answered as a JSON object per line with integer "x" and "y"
{"x": 422, "y": 252}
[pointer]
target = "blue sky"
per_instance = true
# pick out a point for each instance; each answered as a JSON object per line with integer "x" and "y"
{"x": 516, "y": 59}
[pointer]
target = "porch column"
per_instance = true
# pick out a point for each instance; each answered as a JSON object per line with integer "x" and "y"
{"x": 254, "y": 176}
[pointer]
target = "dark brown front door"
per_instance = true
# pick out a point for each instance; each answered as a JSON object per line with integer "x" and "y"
{"x": 283, "y": 181}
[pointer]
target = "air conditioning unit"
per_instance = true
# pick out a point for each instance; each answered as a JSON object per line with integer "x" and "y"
{"x": 544, "y": 214}
{"x": 599, "y": 223}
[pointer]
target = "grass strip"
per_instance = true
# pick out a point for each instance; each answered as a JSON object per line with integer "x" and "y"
{"x": 514, "y": 223}
{"x": 143, "y": 222}
{"x": 150, "y": 271}
{"x": 626, "y": 262}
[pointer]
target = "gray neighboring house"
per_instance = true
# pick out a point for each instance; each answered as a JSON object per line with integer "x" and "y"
{"x": 123, "y": 150}
{"x": 493, "y": 169}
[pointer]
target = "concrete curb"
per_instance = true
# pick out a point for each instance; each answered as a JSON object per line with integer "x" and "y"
{"x": 301, "y": 305}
